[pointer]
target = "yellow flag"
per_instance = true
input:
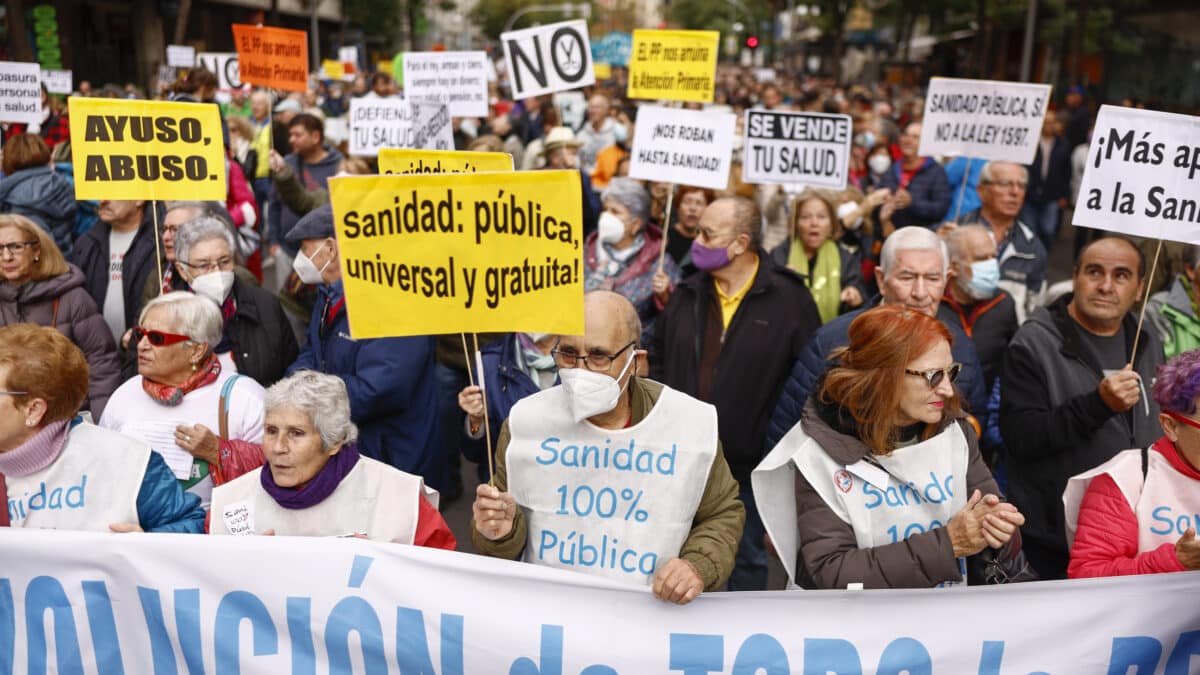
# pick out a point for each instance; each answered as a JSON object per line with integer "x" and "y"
{"x": 484, "y": 252}
{"x": 678, "y": 65}
{"x": 409, "y": 161}
{"x": 125, "y": 149}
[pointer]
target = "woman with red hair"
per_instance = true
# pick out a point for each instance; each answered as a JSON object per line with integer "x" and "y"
{"x": 881, "y": 482}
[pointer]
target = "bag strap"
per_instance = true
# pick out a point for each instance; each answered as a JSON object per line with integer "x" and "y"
{"x": 54, "y": 314}
{"x": 1145, "y": 463}
{"x": 223, "y": 409}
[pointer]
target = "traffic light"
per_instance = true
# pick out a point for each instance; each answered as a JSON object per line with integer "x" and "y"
{"x": 752, "y": 42}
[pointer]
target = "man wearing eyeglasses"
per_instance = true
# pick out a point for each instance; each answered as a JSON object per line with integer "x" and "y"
{"x": 1022, "y": 255}
{"x": 611, "y": 474}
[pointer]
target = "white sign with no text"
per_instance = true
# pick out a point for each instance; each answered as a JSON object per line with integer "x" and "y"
{"x": 225, "y": 65}
{"x": 457, "y": 79}
{"x": 1141, "y": 175}
{"x": 786, "y": 147}
{"x": 58, "y": 81}
{"x": 983, "y": 118}
{"x": 547, "y": 59}
{"x": 572, "y": 107}
{"x": 20, "y": 92}
{"x": 686, "y": 147}
{"x": 181, "y": 56}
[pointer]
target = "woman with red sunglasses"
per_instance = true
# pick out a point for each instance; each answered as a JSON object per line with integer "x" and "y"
{"x": 183, "y": 393}
{"x": 1138, "y": 512}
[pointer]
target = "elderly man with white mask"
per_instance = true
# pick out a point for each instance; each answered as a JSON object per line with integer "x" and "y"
{"x": 611, "y": 474}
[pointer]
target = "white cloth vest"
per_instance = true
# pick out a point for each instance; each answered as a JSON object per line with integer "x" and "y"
{"x": 94, "y": 483}
{"x": 1166, "y": 505}
{"x": 373, "y": 499}
{"x": 610, "y": 502}
{"x": 918, "y": 488}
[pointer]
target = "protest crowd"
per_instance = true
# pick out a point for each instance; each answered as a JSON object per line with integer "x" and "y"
{"x": 873, "y": 380}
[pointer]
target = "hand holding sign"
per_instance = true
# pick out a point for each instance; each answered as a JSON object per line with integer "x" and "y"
{"x": 494, "y": 512}
{"x": 1187, "y": 549}
{"x": 677, "y": 582}
{"x": 1121, "y": 390}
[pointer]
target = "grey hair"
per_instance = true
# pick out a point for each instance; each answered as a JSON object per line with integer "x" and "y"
{"x": 632, "y": 195}
{"x": 956, "y": 241}
{"x": 201, "y": 229}
{"x": 985, "y": 174}
{"x": 323, "y": 398}
{"x": 198, "y": 209}
{"x": 189, "y": 314}
{"x": 912, "y": 238}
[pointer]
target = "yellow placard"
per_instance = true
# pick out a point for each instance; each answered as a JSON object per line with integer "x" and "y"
{"x": 678, "y": 65}
{"x": 484, "y": 252}
{"x": 334, "y": 70}
{"x": 603, "y": 71}
{"x": 125, "y": 149}
{"x": 409, "y": 161}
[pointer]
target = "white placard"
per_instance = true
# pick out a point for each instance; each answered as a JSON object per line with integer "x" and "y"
{"x": 20, "y": 92}
{"x": 225, "y": 65}
{"x": 432, "y": 127}
{"x": 572, "y": 108}
{"x": 764, "y": 74}
{"x": 685, "y": 147}
{"x": 379, "y": 123}
{"x": 160, "y": 436}
{"x": 787, "y": 147}
{"x": 58, "y": 81}
{"x": 983, "y": 118}
{"x": 149, "y": 603}
{"x": 457, "y": 79}
{"x": 181, "y": 56}
{"x": 1141, "y": 175}
{"x": 547, "y": 59}
{"x": 348, "y": 55}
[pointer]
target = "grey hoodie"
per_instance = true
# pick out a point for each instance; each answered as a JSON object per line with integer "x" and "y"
{"x": 44, "y": 197}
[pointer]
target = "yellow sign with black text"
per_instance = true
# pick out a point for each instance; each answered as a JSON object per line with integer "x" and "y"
{"x": 460, "y": 252}
{"x": 410, "y": 161}
{"x": 676, "y": 65}
{"x": 124, "y": 149}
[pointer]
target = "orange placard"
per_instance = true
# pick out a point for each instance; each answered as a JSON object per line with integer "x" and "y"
{"x": 272, "y": 57}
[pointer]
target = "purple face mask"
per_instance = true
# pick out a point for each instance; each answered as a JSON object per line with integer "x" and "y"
{"x": 708, "y": 259}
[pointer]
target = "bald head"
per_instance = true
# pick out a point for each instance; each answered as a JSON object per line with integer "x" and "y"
{"x": 606, "y": 313}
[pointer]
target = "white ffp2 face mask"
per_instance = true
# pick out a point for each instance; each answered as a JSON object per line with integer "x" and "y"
{"x": 214, "y": 285}
{"x": 610, "y": 229}
{"x": 307, "y": 270}
{"x": 592, "y": 394}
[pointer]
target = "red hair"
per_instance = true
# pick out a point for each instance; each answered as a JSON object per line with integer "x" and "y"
{"x": 866, "y": 381}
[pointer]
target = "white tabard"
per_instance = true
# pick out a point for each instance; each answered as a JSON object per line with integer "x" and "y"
{"x": 609, "y": 502}
{"x": 1166, "y": 505}
{"x": 94, "y": 483}
{"x": 373, "y": 499}
{"x": 915, "y": 489}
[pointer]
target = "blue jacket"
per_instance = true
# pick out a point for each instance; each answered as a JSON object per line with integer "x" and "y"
{"x": 505, "y": 383}
{"x": 964, "y": 198}
{"x": 43, "y": 196}
{"x": 163, "y": 506}
{"x": 392, "y": 388}
{"x": 814, "y": 361}
{"x": 930, "y": 191}
{"x": 281, "y": 219}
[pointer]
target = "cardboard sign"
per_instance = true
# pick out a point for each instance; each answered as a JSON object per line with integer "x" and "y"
{"x": 983, "y": 118}
{"x": 1141, "y": 175}
{"x": 546, "y": 59}
{"x": 272, "y": 57}
{"x": 456, "y": 79}
{"x": 181, "y": 56}
{"x": 678, "y": 65}
{"x": 486, "y": 252}
{"x": 58, "y": 81}
{"x": 407, "y": 161}
{"x": 126, "y": 149}
{"x": 686, "y": 147}
{"x": 225, "y": 65}
{"x": 20, "y": 92}
{"x": 378, "y": 123}
{"x": 808, "y": 148}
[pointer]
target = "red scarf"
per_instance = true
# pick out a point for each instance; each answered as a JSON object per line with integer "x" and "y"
{"x": 172, "y": 396}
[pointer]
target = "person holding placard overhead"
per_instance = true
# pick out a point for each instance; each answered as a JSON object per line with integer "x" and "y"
{"x": 920, "y": 191}
{"x": 1071, "y": 394}
{"x": 651, "y": 500}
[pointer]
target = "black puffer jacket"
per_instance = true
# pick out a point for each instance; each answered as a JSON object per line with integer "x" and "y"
{"x": 43, "y": 196}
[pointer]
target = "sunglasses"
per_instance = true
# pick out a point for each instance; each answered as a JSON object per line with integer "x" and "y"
{"x": 157, "y": 337}
{"x": 933, "y": 376}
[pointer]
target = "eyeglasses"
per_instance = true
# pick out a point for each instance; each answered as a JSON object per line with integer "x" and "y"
{"x": 1186, "y": 420}
{"x": 17, "y": 247}
{"x": 157, "y": 337}
{"x": 933, "y": 376}
{"x": 1006, "y": 184}
{"x": 210, "y": 265}
{"x": 597, "y": 360}
{"x": 14, "y": 393}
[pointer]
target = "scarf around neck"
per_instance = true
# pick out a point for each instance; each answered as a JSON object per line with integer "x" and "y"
{"x": 319, "y": 487}
{"x": 167, "y": 395}
{"x": 824, "y": 277}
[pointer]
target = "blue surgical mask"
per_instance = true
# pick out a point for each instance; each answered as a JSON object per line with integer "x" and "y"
{"x": 621, "y": 132}
{"x": 985, "y": 279}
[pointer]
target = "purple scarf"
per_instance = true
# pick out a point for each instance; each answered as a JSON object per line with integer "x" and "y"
{"x": 319, "y": 487}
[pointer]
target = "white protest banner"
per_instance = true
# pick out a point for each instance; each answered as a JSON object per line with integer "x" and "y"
{"x": 20, "y": 92}
{"x": 379, "y": 123}
{"x": 432, "y": 127}
{"x": 1141, "y": 175}
{"x": 58, "y": 81}
{"x": 572, "y": 107}
{"x": 457, "y": 79}
{"x": 348, "y": 55}
{"x": 546, "y": 59}
{"x": 74, "y": 602}
{"x": 225, "y": 65}
{"x": 808, "y": 148}
{"x": 687, "y": 147}
{"x": 983, "y": 118}
{"x": 181, "y": 56}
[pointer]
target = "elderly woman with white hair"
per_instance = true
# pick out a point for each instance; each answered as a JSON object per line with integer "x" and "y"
{"x": 316, "y": 484}
{"x": 182, "y": 392}
{"x": 256, "y": 338}
{"x": 622, "y": 255}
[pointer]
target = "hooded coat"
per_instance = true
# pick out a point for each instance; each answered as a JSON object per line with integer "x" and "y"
{"x": 43, "y": 196}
